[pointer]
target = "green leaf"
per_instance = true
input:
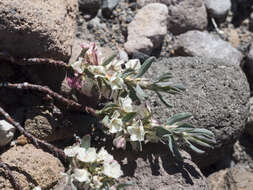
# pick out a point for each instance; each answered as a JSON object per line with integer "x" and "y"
{"x": 161, "y": 131}
{"x": 203, "y": 131}
{"x": 129, "y": 117}
{"x": 127, "y": 73}
{"x": 163, "y": 77}
{"x": 173, "y": 147}
{"x": 85, "y": 141}
{"x": 162, "y": 100}
{"x": 209, "y": 140}
{"x": 194, "y": 148}
{"x": 145, "y": 67}
{"x": 178, "y": 117}
{"x": 199, "y": 141}
{"x": 123, "y": 185}
{"x": 109, "y": 60}
{"x": 132, "y": 94}
{"x": 109, "y": 107}
{"x": 140, "y": 93}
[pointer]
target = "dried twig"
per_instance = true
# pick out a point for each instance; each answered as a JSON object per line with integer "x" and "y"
{"x": 10, "y": 175}
{"x": 37, "y": 142}
{"x": 34, "y": 61}
{"x": 65, "y": 101}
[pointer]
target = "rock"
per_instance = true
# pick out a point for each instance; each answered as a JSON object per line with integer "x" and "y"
{"x": 146, "y": 32}
{"x": 216, "y": 94}
{"x": 196, "y": 43}
{"x": 108, "y": 6}
{"x": 247, "y": 66}
{"x": 184, "y": 15}
{"x": 89, "y": 6}
{"x": 6, "y": 132}
{"x": 249, "y": 124}
{"x": 41, "y": 29}
{"x": 154, "y": 168}
{"x": 232, "y": 179}
{"x": 54, "y": 125}
{"x": 218, "y": 9}
{"x": 32, "y": 167}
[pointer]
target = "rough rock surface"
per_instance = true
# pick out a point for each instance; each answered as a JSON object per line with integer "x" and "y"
{"x": 218, "y": 9}
{"x": 38, "y": 28}
{"x": 89, "y": 6}
{"x": 159, "y": 171}
{"x": 146, "y": 32}
{"x": 247, "y": 66}
{"x": 231, "y": 179}
{"x": 32, "y": 167}
{"x": 216, "y": 94}
{"x": 52, "y": 126}
{"x": 203, "y": 44}
{"x": 184, "y": 15}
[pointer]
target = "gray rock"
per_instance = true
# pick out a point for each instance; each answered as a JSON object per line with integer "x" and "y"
{"x": 216, "y": 94}
{"x": 249, "y": 124}
{"x": 184, "y": 15}
{"x": 108, "y": 6}
{"x": 41, "y": 29}
{"x": 203, "y": 44}
{"x": 6, "y": 132}
{"x": 247, "y": 66}
{"x": 146, "y": 32}
{"x": 232, "y": 179}
{"x": 251, "y": 22}
{"x": 154, "y": 168}
{"x": 89, "y": 6}
{"x": 217, "y": 8}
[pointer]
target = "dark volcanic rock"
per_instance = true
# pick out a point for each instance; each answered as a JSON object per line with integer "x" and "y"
{"x": 216, "y": 94}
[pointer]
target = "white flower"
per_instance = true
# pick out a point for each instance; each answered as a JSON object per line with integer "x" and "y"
{"x": 97, "y": 183}
{"x": 126, "y": 104}
{"x": 116, "y": 82}
{"x": 98, "y": 71}
{"x": 103, "y": 155}
{"x": 71, "y": 151}
{"x": 116, "y": 123}
{"x": 112, "y": 169}
{"x": 133, "y": 64}
{"x": 88, "y": 155}
{"x": 78, "y": 66}
{"x": 37, "y": 188}
{"x": 115, "y": 65}
{"x": 81, "y": 175}
{"x": 136, "y": 131}
{"x": 6, "y": 132}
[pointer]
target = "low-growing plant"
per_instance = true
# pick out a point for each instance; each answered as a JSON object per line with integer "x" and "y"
{"x": 126, "y": 115}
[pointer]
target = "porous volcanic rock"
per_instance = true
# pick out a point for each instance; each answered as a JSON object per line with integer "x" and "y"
{"x": 32, "y": 167}
{"x": 39, "y": 28}
{"x": 216, "y": 94}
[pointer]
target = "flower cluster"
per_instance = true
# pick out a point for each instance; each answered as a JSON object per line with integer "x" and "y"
{"x": 126, "y": 116}
{"x": 90, "y": 169}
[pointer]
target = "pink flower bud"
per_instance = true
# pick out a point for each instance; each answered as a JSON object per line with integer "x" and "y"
{"x": 120, "y": 142}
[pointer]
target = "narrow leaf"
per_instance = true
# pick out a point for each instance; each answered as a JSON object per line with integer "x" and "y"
{"x": 173, "y": 148}
{"x": 107, "y": 61}
{"x": 162, "y": 100}
{"x": 129, "y": 117}
{"x": 194, "y": 148}
{"x": 178, "y": 117}
{"x": 140, "y": 93}
{"x": 145, "y": 67}
{"x": 199, "y": 141}
{"x": 163, "y": 77}
{"x": 123, "y": 185}
{"x": 127, "y": 73}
